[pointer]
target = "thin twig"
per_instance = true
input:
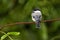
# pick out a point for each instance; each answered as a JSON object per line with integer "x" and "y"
{"x": 11, "y": 24}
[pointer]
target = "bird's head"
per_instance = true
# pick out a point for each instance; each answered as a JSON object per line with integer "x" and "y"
{"x": 36, "y": 17}
{"x": 35, "y": 9}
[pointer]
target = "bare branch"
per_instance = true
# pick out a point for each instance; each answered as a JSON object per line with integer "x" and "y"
{"x": 11, "y": 24}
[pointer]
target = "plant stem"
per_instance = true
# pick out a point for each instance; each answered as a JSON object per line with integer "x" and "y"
{"x": 44, "y": 32}
{"x": 7, "y": 35}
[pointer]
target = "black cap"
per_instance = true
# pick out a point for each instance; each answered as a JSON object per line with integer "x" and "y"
{"x": 36, "y": 9}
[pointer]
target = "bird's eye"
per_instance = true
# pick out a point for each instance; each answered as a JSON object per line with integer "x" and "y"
{"x": 33, "y": 16}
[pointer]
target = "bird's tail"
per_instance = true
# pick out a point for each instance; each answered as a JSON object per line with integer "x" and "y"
{"x": 38, "y": 24}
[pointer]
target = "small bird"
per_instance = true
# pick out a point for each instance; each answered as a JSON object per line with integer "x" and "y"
{"x": 36, "y": 17}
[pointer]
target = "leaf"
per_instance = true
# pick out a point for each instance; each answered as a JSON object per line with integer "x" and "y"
{"x": 4, "y": 36}
{"x": 13, "y": 33}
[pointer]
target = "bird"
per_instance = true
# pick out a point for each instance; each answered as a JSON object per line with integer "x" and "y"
{"x": 36, "y": 17}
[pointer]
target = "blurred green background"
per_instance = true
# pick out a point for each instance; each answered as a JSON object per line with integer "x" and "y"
{"x": 12, "y": 11}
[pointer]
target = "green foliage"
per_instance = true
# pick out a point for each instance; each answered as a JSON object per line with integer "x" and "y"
{"x": 6, "y": 5}
{"x": 4, "y": 36}
{"x": 12, "y": 11}
{"x": 9, "y": 33}
{"x": 13, "y": 33}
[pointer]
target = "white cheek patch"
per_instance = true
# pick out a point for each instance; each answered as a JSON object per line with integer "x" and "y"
{"x": 33, "y": 19}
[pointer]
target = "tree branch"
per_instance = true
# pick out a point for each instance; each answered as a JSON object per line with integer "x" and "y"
{"x": 11, "y": 24}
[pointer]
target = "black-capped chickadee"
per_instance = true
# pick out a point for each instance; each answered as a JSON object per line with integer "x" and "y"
{"x": 36, "y": 17}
